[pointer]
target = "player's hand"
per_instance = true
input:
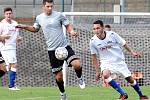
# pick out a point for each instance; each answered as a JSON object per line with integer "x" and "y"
{"x": 98, "y": 76}
{"x": 19, "y": 38}
{"x": 3, "y": 37}
{"x": 74, "y": 34}
{"x": 136, "y": 54}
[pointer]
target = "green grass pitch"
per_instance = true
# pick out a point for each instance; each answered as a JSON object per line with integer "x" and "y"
{"x": 73, "y": 93}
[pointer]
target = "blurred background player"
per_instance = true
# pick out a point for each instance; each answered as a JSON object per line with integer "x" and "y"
{"x": 107, "y": 27}
{"x": 107, "y": 46}
{"x": 51, "y": 23}
{"x": 10, "y": 36}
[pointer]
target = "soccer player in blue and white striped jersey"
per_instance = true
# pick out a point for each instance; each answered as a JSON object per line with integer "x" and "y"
{"x": 9, "y": 36}
{"x": 106, "y": 46}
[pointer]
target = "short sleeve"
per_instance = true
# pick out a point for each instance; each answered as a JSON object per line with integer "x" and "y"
{"x": 36, "y": 24}
{"x": 119, "y": 39}
{"x": 92, "y": 48}
{"x": 64, "y": 20}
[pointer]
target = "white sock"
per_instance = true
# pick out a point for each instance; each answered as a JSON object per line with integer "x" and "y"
{"x": 62, "y": 93}
{"x": 13, "y": 69}
{"x": 108, "y": 79}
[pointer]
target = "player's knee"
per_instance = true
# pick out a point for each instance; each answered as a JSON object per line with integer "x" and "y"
{"x": 59, "y": 79}
{"x": 76, "y": 64}
{"x": 130, "y": 79}
{"x": 2, "y": 73}
{"x": 106, "y": 74}
{"x": 13, "y": 65}
{"x": 59, "y": 76}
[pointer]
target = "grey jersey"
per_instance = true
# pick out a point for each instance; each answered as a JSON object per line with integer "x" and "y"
{"x": 52, "y": 28}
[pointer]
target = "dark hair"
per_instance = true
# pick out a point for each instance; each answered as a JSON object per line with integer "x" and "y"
{"x": 107, "y": 26}
{"x": 7, "y": 9}
{"x": 49, "y": 1}
{"x": 99, "y": 22}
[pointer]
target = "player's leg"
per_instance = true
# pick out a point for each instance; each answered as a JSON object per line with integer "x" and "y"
{"x": 2, "y": 69}
{"x": 106, "y": 74}
{"x": 12, "y": 76}
{"x": 136, "y": 87}
{"x": 60, "y": 84}
{"x": 106, "y": 70}
{"x": 1, "y": 72}
{"x": 127, "y": 74}
{"x": 57, "y": 71}
{"x": 74, "y": 61}
{"x": 12, "y": 71}
{"x": 2, "y": 66}
{"x": 10, "y": 59}
{"x": 78, "y": 69}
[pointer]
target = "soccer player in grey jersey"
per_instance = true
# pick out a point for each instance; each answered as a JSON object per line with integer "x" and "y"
{"x": 51, "y": 23}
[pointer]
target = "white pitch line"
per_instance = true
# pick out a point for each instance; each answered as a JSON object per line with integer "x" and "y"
{"x": 33, "y": 98}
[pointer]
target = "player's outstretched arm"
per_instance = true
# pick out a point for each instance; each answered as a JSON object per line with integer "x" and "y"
{"x": 134, "y": 53}
{"x": 27, "y": 27}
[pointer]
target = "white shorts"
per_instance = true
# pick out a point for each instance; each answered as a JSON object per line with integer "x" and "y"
{"x": 9, "y": 56}
{"x": 117, "y": 68}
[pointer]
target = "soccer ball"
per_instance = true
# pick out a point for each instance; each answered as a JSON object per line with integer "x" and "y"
{"x": 61, "y": 53}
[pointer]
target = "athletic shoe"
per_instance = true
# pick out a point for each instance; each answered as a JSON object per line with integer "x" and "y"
{"x": 123, "y": 96}
{"x": 81, "y": 83}
{"x": 63, "y": 96}
{"x": 14, "y": 88}
{"x": 144, "y": 97}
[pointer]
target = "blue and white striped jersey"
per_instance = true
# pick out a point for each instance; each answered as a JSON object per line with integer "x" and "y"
{"x": 109, "y": 50}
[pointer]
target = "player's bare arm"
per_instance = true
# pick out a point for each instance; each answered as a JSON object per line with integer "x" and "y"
{"x": 27, "y": 27}
{"x": 96, "y": 65}
{"x": 70, "y": 30}
{"x": 134, "y": 53}
{"x": 3, "y": 37}
{"x": 19, "y": 38}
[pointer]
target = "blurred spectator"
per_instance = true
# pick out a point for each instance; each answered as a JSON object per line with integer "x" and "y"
{"x": 107, "y": 27}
